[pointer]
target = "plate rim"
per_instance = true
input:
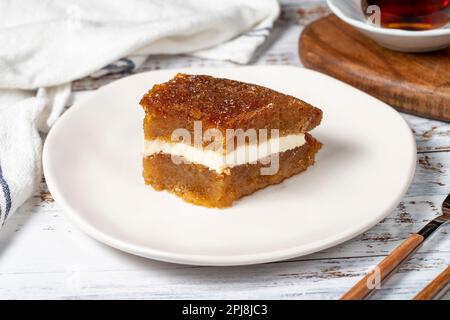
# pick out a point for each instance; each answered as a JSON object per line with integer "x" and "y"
{"x": 215, "y": 260}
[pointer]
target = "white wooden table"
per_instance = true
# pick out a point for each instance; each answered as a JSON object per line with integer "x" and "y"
{"x": 43, "y": 255}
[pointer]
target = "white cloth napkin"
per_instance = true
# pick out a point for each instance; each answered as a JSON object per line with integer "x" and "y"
{"x": 46, "y": 45}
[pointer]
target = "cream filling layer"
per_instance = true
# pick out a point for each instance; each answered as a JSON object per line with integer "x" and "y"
{"x": 218, "y": 161}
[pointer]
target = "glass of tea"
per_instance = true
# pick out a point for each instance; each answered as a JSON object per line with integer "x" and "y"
{"x": 408, "y": 14}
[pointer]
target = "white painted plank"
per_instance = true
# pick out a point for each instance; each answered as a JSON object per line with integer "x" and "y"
{"x": 42, "y": 253}
{"x": 431, "y": 135}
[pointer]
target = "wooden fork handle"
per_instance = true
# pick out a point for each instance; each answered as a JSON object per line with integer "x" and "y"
{"x": 375, "y": 277}
{"x": 435, "y": 286}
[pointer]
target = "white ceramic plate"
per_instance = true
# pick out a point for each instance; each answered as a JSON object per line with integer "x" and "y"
{"x": 92, "y": 165}
{"x": 350, "y": 11}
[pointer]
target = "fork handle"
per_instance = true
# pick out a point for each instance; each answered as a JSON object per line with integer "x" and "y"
{"x": 435, "y": 286}
{"x": 376, "y": 276}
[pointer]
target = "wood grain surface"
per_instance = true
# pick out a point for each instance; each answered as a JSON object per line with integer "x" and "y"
{"x": 413, "y": 83}
{"x": 43, "y": 255}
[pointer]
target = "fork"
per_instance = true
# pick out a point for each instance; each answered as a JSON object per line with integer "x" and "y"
{"x": 388, "y": 265}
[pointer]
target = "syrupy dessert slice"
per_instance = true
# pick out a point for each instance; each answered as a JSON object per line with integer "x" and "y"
{"x": 218, "y": 177}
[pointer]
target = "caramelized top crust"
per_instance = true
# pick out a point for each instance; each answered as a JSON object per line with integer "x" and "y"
{"x": 224, "y": 103}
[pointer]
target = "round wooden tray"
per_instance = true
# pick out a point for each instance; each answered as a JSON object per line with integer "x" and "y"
{"x": 413, "y": 83}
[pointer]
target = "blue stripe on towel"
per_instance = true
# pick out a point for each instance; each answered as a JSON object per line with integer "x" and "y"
{"x": 6, "y": 192}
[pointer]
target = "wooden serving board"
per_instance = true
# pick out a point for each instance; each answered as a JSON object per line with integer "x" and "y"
{"x": 412, "y": 83}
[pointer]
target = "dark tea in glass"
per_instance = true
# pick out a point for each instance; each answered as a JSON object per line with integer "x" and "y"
{"x": 410, "y": 14}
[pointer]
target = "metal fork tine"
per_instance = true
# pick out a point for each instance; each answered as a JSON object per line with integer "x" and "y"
{"x": 446, "y": 205}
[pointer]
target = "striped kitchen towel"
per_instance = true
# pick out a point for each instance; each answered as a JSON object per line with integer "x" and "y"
{"x": 46, "y": 45}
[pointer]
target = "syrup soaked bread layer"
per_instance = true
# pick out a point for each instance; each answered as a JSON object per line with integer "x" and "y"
{"x": 199, "y": 185}
{"x": 222, "y": 104}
